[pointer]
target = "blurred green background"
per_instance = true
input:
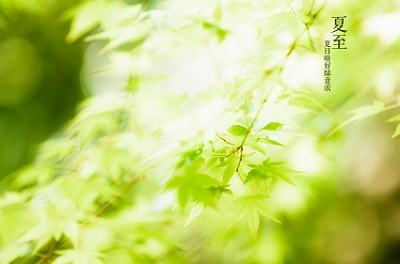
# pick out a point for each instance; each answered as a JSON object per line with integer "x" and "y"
{"x": 39, "y": 77}
{"x": 345, "y": 210}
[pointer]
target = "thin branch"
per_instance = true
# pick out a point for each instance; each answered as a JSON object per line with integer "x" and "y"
{"x": 223, "y": 139}
{"x": 240, "y": 159}
{"x": 240, "y": 148}
{"x": 124, "y": 189}
{"x": 108, "y": 204}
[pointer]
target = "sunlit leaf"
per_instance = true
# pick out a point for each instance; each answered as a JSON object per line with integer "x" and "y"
{"x": 250, "y": 207}
{"x": 270, "y": 170}
{"x": 255, "y": 174}
{"x": 362, "y": 113}
{"x": 305, "y": 99}
{"x": 218, "y": 190}
{"x": 130, "y": 34}
{"x": 265, "y": 211}
{"x": 397, "y": 131}
{"x": 194, "y": 213}
{"x": 229, "y": 171}
{"x": 269, "y": 141}
{"x": 253, "y": 220}
{"x": 272, "y": 126}
{"x": 253, "y": 143}
{"x": 78, "y": 256}
{"x": 215, "y": 29}
{"x": 193, "y": 187}
{"x": 238, "y": 130}
{"x": 85, "y": 17}
{"x": 11, "y": 252}
{"x": 394, "y": 118}
{"x": 278, "y": 170}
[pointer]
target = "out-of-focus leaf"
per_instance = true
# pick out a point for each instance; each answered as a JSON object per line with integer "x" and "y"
{"x": 270, "y": 169}
{"x": 396, "y": 132}
{"x": 218, "y": 190}
{"x": 256, "y": 174}
{"x": 269, "y": 141}
{"x": 34, "y": 174}
{"x": 132, "y": 83}
{"x": 229, "y": 171}
{"x": 394, "y": 118}
{"x": 56, "y": 149}
{"x": 253, "y": 220}
{"x": 123, "y": 35}
{"x": 272, "y": 126}
{"x": 194, "y": 213}
{"x": 238, "y": 130}
{"x": 250, "y": 207}
{"x": 279, "y": 170}
{"x": 361, "y": 113}
{"x": 11, "y": 252}
{"x": 78, "y": 256}
{"x": 265, "y": 211}
{"x": 253, "y": 143}
{"x": 193, "y": 187}
{"x": 85, "y": 17}
{"x": 215, "y": 29}
{"x": 305, "y": 100}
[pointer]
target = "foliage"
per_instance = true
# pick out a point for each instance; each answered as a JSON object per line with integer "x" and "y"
{"x": 174, "y": 139}
{"x": 364, "y": 112}
{"x": 36, "y": 66}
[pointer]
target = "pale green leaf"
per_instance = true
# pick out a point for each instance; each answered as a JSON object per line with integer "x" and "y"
{"x": 268, "y": 170}
{"x": 265, "y": 211}
{"x": 362, "y": 113}
{"x": 394, "y": 118}
{"x": 272, "y": 126}
{"x": 84, "y": 18}
{"x": 78, "y": 256}
{"x": 120, "y": 36}
{"x": 215, "y": 29}
{"x": 253, "y": 143}
{"x": 256, "y": 174}
{"x": 253, "y": 220}
{"x": 194, "y": 213}
{"x": 269, "y": 141}
{"x": 11, "y": 252}
{"x": 396, "y": 132}
{"x": 229, "y": 171}
{"x": 249, "y": 207}
{"x": 238, "y": 130}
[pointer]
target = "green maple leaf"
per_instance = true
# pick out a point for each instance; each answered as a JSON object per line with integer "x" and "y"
{"x": 270, "y": 170}
{"x": 250, "y": 207}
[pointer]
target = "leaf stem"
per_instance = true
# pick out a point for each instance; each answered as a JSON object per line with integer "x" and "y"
{"x": 240, "y": 148}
